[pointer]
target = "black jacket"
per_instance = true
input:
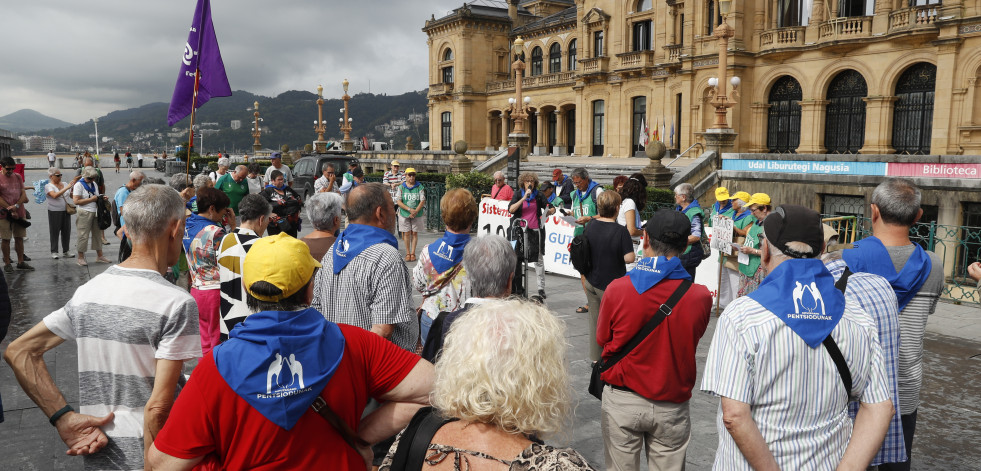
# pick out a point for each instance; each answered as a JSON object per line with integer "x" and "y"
{"x": 542, "y": 206}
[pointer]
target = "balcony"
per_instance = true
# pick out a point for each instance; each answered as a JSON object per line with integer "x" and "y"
{"x": 845, "y": 28}
{"x": 538, "y": 81}
{"x": 595, "y": 65}
{"x": 790, "y": 36}
{"x": 440, "y": 89}
{"x": 922, "y": 17}
{"x": 674, "y": 52}
{"x": 636, "y": 60}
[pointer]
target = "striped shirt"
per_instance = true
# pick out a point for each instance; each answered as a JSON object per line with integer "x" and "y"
{"x": 231, "y": 264}
{"x": 877, "y": 298}
{"x": 123, "y": 321}
{"x": 372, "y": 289}
{"x": 794, "y": 392}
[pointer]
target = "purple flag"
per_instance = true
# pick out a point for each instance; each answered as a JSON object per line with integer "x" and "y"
{"x": 201, "y": 53}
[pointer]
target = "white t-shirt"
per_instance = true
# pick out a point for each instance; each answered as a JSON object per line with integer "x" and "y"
{"x": 79, "y": 189}
{"x": 287, "y": 174}
{"x": 51, "y": 157}
{"x": 56, "y": 204}
{"x": 627, "y": 205}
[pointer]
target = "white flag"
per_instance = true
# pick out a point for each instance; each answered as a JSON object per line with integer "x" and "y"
{"x": 644, "y": 134}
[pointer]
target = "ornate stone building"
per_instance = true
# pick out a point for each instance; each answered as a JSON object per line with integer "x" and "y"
{"x": 817, "y": 76}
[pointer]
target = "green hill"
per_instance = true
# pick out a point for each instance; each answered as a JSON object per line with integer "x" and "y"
{"x": 26, "y": 121}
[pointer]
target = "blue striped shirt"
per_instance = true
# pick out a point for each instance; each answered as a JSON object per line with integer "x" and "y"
{"x": 877, "y": 297}
{"x": 795, "y": 393}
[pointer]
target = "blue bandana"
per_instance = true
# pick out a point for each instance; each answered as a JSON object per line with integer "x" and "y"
{"x": 280, "y": 361}
{"x": 447, "y": 251}
{"x": 742, "y": 215}
{"x": 870, "y": 256}
{"x": 407, "y": 187}
{"x": 721, "y": 209}
{"x": 89, "y": 187}
{"x": 280, "y": 188}
{"x": 693, "y": 204}
{"x": 192, "y": 226}
{"x": 802, "y": 293}
{"x": 356, "y": 238}
{"x": 651, "y": 270}
{"x": 552, "y": 198}
{"x": 581, "y": 195}
{"x": 534, "y": 194}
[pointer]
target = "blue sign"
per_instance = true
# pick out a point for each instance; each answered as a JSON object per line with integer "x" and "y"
{"x": 806, "y": 166}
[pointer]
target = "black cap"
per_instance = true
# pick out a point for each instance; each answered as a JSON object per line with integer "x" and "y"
{"x": 792, "y": 223}
{"x": 357, "y": 172}
{"x": 669, "y": 226}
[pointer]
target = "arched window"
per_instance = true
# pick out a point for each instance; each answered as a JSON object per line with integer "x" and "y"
{"x": 448, "y": 55}
{"x": 446, "y": 131}
{"x": 644, "y": 5}
{"x": 783, "y": 120}
{"x": 447, "y": 71}
{"x": 844, "y": 122}
{"x": 912, "y": 120}
{"x": 572, "y": 55}
{"x": 536, "y": 61}
{"x": 555, "y": 59}
{"x": 599, "y": 111}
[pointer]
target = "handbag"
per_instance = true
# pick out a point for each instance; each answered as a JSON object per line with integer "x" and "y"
{"x": 69, "y": 208}
{"x": 596, "y": 383}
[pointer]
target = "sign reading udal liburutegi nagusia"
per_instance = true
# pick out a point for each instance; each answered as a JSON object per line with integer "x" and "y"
{"x": 892, "y": 169}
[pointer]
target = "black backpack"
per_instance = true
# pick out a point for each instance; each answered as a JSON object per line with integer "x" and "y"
{"x": 580, "y": 254}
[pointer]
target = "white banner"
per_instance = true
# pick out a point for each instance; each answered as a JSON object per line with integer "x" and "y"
{"x": 558, "y": 236}
{"x": 722, "y": 234}
{"x": 707, "y": 274}
{"x": 493, "y": 218}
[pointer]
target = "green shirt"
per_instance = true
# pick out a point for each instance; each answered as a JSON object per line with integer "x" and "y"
{"x": 753, "y": 241}
{"x": 729, "y": 213}
{"x": 235, "y": 190}
{"x": 582, "y": 205}
{"x": 411, "y": 197}
{"x": 691, "y": 213}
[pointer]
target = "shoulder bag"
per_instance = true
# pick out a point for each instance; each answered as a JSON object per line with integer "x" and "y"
{"x": 595, "y": 382}
{"x": 343, "y": 429}
{"x": 832, "y": 347}
{"x": 69, "y": 207}
{"x": 416, "y": 438}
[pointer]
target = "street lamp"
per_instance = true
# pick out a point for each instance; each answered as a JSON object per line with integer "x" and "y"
{"x": 256, "y": 131}
{"x": 346, "y": 144}
{"x": 721, "y": 102}
{"x": 518, "y": 106}
{"x": 320, "y": 125}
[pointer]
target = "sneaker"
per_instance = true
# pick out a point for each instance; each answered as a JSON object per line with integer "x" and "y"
{"x": 24, "y": 266}
{"x": 54, "y": 255}
{"x": 66, "y": 255}
{"x": 8, "y": 268}
{"x": 26, "y": 258}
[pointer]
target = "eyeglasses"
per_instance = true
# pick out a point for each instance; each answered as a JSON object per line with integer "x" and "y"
{"x": 9, "y": 169}
{"x": 56, "y": 175}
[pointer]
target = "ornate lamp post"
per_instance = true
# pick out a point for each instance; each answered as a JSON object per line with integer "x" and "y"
{"x": 518, "y": 104}
{"x": 347, "y": 144}
{"x": 320, "y": 125}
{"x": 256, "y": 131}
{"x": 720, "y": 101}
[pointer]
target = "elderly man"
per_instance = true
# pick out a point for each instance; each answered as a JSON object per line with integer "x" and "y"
{"x": 393, "y": 178}
{"x": 768, "y": 364}
{"x": 563, "y": 187}
{"x": 135, "y": 180}
{"x": 917, "y": 279}
{"x": 685, "y": 202}
{"x": 288, "y": 388}
{"x": 276, "y": 159}
{"x": 489, "y": 262}
{"x": 131, "y": 342}
{"x": 364, "y": 281}
{"x": 501, "y": 190}
{"x": 13, "y": 215}
{"x": 255, "y": 212}
{"x": 327, "y": 183}
{"x": 657, "y": 375}
{"x": 235, "y": 186}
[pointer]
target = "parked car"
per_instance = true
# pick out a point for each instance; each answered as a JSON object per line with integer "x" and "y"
{"x": 308, "y": 169}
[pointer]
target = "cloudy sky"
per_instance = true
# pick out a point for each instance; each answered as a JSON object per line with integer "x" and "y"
{"x": 75, "y": 60}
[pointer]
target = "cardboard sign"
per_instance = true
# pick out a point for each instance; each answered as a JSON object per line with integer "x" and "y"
{"x": 558, "y": 236}
{"x": 707, "y": 274}
{"x": 494, "y": 217}
{"x": 722, "y": 234}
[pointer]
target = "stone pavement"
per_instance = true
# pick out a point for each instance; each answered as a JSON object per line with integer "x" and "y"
{"x": 948, "y": 429}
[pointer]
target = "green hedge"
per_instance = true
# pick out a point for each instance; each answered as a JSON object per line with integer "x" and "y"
{"x": 657, "y": 196}
{"x": 473, "y": 181}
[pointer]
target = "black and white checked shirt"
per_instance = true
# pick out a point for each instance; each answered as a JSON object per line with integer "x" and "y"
{"x": 373, "y": 288}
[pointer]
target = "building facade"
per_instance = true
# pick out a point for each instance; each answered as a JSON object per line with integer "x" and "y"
{"x": 817, "y": 76}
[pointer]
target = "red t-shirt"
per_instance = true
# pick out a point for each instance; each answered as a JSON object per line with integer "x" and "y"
{"x": 662, "y": 367}
{"x": 210, "y": 418}
{"x": 503, "y": 193}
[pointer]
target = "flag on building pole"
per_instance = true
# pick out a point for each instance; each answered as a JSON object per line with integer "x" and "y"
{"x": 672, "y": 134}
{"x": 657, "y": 136}
{"x": 202, "y": 74}
{"x": 664, "y": 128}
{"x": 644, "y": 134}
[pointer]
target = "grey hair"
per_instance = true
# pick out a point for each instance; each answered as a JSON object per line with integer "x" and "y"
{"x": 224, "y": 162}
{"x": 498, "y": 174}
{"x": 153, "y": 181}
{"x": 180, "y": 181}
{"x": 802, "y": 248}
{"x": 136, "y": 174}
{"x": 241, "y": 168}
{"x": 323, "y": 208}
{"x": 149, "y": 210}
{"x": 253, "y": 206}
{"x": 580, "y": 172}
{"x": 364, "y": 199}
{"x": 52, "y": 171}
{"x": 898, "y": 200}
{"x": 685, "y": 190}
{"x": 489, "y": 261}
{"x": 201, "y": 181}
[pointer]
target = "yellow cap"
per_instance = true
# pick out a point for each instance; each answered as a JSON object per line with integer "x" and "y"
{"x": 395, "y": 162}
{"x": 721, "y": 193}
{"x": 410, "y": 170}
{"x": 280, "y": 260}
{"x": 740, "y": 195}
{"x": 758, "y": 198}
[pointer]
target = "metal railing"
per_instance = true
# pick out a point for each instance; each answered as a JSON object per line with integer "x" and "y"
{"x": 697, "y": 144}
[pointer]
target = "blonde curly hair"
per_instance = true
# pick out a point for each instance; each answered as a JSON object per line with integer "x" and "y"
{"x": 503, "y": 364}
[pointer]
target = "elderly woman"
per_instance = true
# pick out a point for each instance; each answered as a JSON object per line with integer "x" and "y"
{"x": 324, "y": 211}
{"x": 501, "y": 384}
{"x": 85, "y": 193}
{"x": 59, "y": 221}
{"x": 752, "y": 273}
{"x": 439, "y": 275}
{"x": 254, "y": 211}
{"x": 686, "y": 203}
{"x": 531, "y": 205}
{"x": 202, "y": 239}
{"x": 286, "y": 205}
{"x": 223, "y": 164}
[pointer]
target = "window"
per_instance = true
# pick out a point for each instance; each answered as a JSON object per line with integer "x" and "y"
{"x": 446, "y": 131}
{"x": 783, "y": 120}
{"x": 791, "y": 12}
{"x": 969, "y": 251}
{"x": 555, "y": 59}
{"x": 847, "y": 8}
{"x": 598, "y": 44}
{"x": 598, "y": 111}
{"x": 448, "y": 55}
{"x": 644, "y": 5}
{"x": 916, "y": 3}
{"x": 536, "y": 61}
{"x": 570, "y": 125}
{"x": 642, "y": 35}
{"x": 553, "y": 123}
{"x": 713, "y": 17}
{"x": 639, "y": 106}
{"x": 844, "y": 120}
{"x": 912, "y": 120}
{"x": 448, "y": 74}
{"x": 843, "y": 205}
{"x": 572, "y": 54}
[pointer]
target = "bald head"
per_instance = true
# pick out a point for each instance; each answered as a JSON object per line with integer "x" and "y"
{"x": 371, "y": 204}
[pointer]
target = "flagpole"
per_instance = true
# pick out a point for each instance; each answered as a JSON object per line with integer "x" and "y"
{"x": 194, "y": 99}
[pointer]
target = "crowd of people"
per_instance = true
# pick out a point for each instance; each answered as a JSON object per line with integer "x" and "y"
{"x": 816, "y": 358}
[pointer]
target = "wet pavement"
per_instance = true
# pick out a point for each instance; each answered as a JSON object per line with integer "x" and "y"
{"x": 947, "y": 434}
